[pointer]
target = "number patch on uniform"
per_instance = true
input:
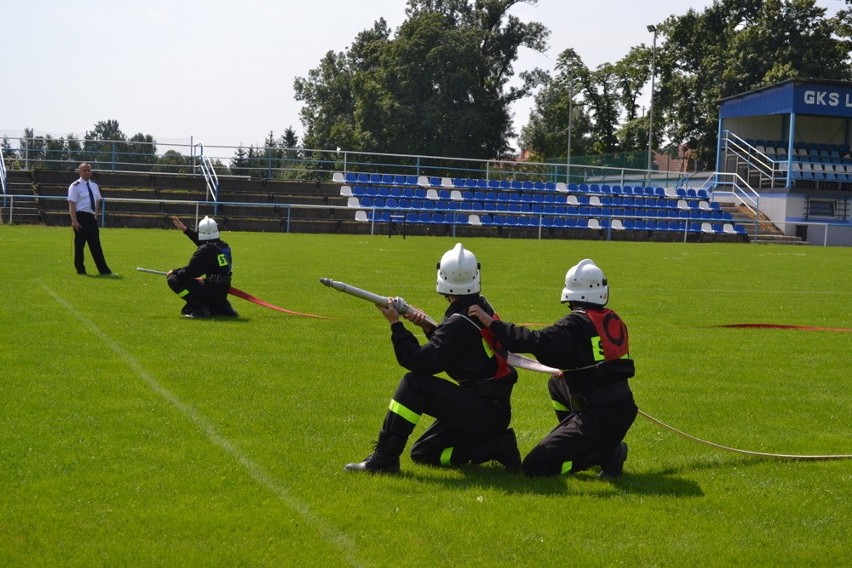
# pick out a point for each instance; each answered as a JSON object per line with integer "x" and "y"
{"x": 222, "y": 260}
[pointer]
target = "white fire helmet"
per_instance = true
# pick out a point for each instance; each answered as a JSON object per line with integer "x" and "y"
{"x": 585, "y": 282}
{"x": 208, "y": 230}
{"x": 458, "y": 272}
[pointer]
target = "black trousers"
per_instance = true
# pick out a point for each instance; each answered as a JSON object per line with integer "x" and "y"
{"x": 465, "y": 418}
{"x": 88, "y": 234}
{"x": 201, "y": 293}
{"x": 579, "y": 437}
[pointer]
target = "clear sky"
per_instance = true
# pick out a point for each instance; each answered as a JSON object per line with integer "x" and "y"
{"x": 221, "y": 72}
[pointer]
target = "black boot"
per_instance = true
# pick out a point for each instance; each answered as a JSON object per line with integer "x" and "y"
{"x": 224, "y": 309}
{"x": 503, "y": 450}
{"x": 612, "y": 461}
{"x": 385, "y": 456}
{"x": 585, "y": 462}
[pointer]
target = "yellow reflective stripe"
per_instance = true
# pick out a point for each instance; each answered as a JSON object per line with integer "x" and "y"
{"x": 559, "y": 406}
{"x": 446, "y": 455}
{"x": 566, "y": 467}
{"x": 598, "y": 348}
{"x": 406, "y": 413}
{"x": 183, "y": 293}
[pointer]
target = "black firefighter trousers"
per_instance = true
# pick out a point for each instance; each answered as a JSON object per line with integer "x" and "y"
{"x": 467, "y": 419}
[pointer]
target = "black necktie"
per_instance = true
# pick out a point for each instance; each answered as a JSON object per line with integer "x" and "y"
{"x": 91, "y": 197}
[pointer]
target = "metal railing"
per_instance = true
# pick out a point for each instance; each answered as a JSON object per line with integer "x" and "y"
{"x": 282, "y": 163}
{"x": 535, "y": 220}
{"x": 209, "y": 173}
{"x": 3, "y": 176}
{"x": 741, "y": 193}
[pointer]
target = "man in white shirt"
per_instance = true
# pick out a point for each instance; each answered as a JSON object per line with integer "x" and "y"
{"x": 83, "y": 197}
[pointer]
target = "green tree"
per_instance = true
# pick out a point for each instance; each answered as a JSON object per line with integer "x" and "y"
{"x": 32, "y": 149}
{"x": 174, "y": 162}
{"x": 55, "y": 154}
{"x": 141, "y": 152}
{"x": 546, "y": 132}
{"x": 731, "y": 47}
{"x": 10, "y": 155}
{"x": 105, "y": 145}
{"x": 239, "y": 163}
{"x": 735, "y": 46}
{"x": 289, "y": 138}
{"x": 439, "y": 87}
{"x": 76, "y": 154}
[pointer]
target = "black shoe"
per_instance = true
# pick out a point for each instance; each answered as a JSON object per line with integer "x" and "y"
{"x": 612, "y": 465}
{"x": 376, "y": 463}
{"x": 81, "y": 272}
{"x": 224, "y": 310}
{"x": 200, "y": 312}
{"x": 506, "y": 451}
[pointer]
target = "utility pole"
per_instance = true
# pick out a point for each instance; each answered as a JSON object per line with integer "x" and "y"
{"x": 652, "y": 29}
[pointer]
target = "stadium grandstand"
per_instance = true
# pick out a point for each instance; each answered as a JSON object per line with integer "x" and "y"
{"x": 783, "y": 174}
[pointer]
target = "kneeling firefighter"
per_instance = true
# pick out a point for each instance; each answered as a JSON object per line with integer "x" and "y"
{"x": 212, "y": 259}
{"x": 592, "y": 399}
{"x": 472, "y": 415}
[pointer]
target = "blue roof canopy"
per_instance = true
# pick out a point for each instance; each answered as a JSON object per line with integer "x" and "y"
{"x": 818, "y": 98}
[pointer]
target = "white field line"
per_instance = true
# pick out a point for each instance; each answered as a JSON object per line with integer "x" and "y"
{"x": 341, "y": 540}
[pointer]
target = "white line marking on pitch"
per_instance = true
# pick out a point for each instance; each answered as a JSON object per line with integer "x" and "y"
{"x": 256, "y": 471}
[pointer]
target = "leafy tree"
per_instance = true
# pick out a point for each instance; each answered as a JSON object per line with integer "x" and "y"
{"x": 10, "y": 155}
{"x": 735, "y": 46}
{"x": 174, "y": 162}
{"x": 141, "y": 152}
{"x": 75, "y": 150}
{"x": 731, "y": 47}
{"x": 546, "y": 133}
{"x": 105, "y": 144}
{"x": 55, "y": 154}
{"x": 439, "y": 87}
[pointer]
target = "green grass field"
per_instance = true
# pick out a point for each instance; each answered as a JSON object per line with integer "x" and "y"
{"x": 130, "y": 436}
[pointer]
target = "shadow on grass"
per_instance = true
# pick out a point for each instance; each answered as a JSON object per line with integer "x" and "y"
{"x": 663, "y": 483}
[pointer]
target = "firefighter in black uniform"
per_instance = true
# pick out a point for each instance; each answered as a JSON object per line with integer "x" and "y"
{"x": 473, "y": 416}
{"x": 592, "y": 399}
{"x": 212, "y": 259}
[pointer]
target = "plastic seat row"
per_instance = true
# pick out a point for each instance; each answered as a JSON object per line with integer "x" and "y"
{"x": 554, "y": 222}
{"x": 511, "y": 185}
{"x": 363, "y": 178}
{"x": 352, "y": 178}
{"x": 637, "y": 190}
{"x": 518, "y": 197}
{"x": 680, "y": 211}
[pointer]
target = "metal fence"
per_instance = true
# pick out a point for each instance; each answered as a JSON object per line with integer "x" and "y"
{"x": 282, "y": 163}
